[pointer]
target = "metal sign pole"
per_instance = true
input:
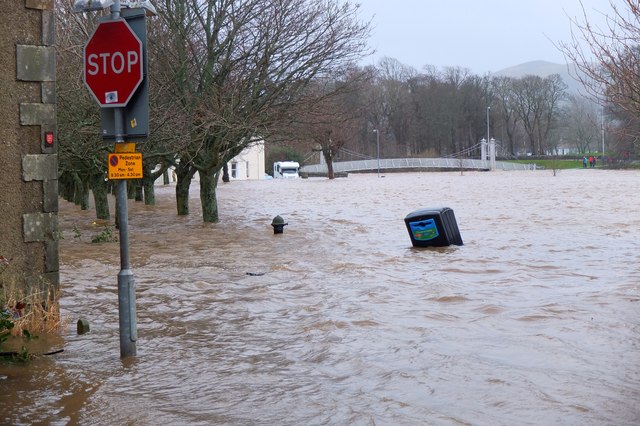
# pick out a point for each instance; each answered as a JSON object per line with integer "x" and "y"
{"x": 126, "y": 94}
{"x": 126, "y": 283}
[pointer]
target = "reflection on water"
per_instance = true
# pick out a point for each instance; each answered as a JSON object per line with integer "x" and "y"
{"x": 340, "y": 321}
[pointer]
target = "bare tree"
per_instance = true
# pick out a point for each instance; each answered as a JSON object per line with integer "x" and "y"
{"x": 330, "y": 116}
{"x": 502, "y": 88}
{"x": 609, "y": 63}
{"x": 238, "y": 68}
{"x": 582, "y": 123}
{"x": 536, "y": 101}
{"x": 475, "y": 93}
{"x": 397, "y": 118}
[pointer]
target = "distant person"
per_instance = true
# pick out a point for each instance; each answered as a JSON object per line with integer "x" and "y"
{"x": 584, "y": 162}
{"x": 594, "y": 161}
{"x": 591, "y": 161}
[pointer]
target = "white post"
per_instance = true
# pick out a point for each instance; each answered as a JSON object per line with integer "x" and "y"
{"x": 492, "y": 153}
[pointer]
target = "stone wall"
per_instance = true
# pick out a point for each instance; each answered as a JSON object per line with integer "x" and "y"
{"x": 29, "y": 169}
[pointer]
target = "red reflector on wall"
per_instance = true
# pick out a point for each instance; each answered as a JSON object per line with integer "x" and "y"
{"x": 48, "y": 139}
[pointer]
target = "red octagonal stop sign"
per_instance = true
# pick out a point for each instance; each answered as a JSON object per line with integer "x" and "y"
{"x": 113, "y": 67}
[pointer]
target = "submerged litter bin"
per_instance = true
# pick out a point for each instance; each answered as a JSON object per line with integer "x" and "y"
{"x": 434, "y": 227}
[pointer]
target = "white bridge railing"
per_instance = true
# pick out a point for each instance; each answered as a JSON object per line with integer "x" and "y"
{"x": 414, "y": 163}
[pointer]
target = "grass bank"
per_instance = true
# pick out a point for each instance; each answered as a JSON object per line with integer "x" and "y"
{"x": 557, "y": 164}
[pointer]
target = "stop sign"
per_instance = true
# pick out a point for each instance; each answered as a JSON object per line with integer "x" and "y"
{"x": 113, "y": 67}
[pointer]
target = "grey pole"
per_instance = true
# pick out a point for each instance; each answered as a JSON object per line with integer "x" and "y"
{"x": 115, "y": 9}
{"x": 378, "y": 145}
{"x": 126, "y": 283}
{"x": 488, "y": 109}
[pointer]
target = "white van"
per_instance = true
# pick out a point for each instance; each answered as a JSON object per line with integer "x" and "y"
{"x": 285, "y": 169}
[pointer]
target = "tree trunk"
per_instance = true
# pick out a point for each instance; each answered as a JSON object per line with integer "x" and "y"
{"x": 138, "y": 190}
{"x": 328, "y": 158}
{"x": 330, "y": 173}
{"x": 150, "y": 190}
{"x": 66, "y": 186}
{"x": 131, "y": 189}
{"x": 208, "y": 184}
{"x": 81, "y": 192}
{"x": 184, "y": 175}
{"x": 100, "y": 190}
{"x": 532, "y": 144}
{"x": 84, "y": 201}
{"x": 225, "y": 173}
{"x": 182, "y": 196}
{"x": 77, "y": 188}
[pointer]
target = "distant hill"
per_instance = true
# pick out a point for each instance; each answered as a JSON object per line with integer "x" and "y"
{"x": 545, "y": 69}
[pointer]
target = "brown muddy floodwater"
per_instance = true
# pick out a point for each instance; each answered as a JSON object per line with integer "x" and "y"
{"x": 339, "y": 321}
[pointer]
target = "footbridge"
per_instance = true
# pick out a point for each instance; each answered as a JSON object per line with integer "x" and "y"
{"x": 412, "y": 164}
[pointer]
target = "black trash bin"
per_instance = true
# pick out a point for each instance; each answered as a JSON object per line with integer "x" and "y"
{"x": 434, "y": 227}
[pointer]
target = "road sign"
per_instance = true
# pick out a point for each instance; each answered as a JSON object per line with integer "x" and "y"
{"x": 113, "y": 63}
{"x": 125, "y": 166}
{"x": 136, "y": 113}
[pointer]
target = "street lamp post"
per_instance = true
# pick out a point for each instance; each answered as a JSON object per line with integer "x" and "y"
{"x": 492, "y": 144}
{"x": 488, "y": 136}
{"x": 378, "y": 145}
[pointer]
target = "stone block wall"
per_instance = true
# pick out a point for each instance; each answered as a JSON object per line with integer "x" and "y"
{"x": 28, "y": 167}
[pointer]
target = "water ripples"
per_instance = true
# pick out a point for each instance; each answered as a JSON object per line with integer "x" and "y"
{"x": 340, "y": 321}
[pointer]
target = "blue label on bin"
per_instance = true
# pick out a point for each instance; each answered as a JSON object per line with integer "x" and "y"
{"x": 424, "y": 230}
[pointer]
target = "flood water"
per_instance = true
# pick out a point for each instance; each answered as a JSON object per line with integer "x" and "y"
{"x": 535, "y": 320}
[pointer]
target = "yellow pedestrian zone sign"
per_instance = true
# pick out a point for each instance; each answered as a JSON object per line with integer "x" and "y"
{"x": 125, "y": 165}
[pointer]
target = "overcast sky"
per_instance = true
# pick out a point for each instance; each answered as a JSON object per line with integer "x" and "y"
{"x": 482, "y": 35}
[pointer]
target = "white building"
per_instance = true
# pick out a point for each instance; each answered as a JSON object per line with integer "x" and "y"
{"x": 249, "y": 164}
{"x": 563, "y": 147}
